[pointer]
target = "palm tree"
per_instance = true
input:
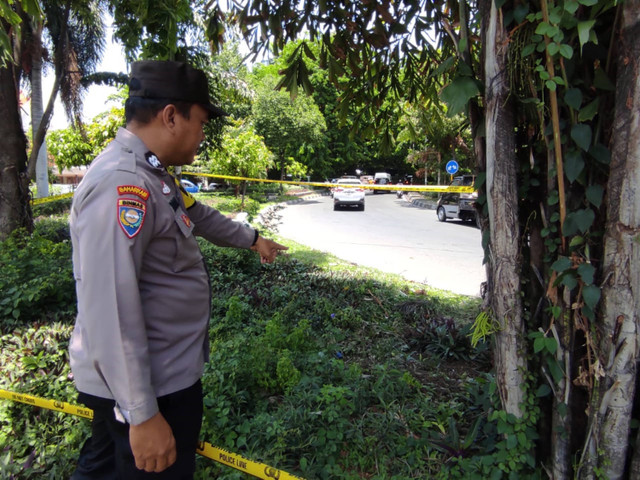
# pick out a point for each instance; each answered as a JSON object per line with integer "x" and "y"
{"x": 70, "y": 36}
{"x": 77, "y": 40}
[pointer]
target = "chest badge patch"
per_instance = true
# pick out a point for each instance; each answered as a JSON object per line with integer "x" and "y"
{"x": 131, "y": 216}
{"x": 186, "y": 220}
{"x": 153, "y": 160}
{"x": 165, "y": 189}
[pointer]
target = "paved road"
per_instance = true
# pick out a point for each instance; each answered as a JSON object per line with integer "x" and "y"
{"x": 394, "y": 236}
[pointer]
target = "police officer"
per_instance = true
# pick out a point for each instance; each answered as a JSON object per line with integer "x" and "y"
{"x": 140, "y": 339}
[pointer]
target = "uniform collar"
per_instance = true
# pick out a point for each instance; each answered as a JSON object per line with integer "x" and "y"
{"x": 133, "y": 143}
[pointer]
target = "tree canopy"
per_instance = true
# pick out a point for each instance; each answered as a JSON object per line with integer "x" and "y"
{"x": 291, "y": 128}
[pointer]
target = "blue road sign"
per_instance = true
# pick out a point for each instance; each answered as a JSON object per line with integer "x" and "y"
{"x": 452, "y": 167}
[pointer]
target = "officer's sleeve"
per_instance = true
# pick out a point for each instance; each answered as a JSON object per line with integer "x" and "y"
{"x": 215, "y": 227}
{"x": 112, "y": 227}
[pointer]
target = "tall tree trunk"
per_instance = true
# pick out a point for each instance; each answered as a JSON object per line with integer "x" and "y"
{"x": 502, "y": 201}
{"x": 477, "y": 121}
{"x": 620, "y": 310}
{"x": 15, "y": 211}
{"x": 42, "y": 171}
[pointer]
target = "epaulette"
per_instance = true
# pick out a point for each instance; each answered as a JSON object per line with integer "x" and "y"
{"x": 126, "y": 160}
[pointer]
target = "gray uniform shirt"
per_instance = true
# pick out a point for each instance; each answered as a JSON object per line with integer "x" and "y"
{"x": 142, "y": 287}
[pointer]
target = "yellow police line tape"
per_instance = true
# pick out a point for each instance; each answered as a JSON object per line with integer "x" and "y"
{"x": 389, "y": 186}
{"x": 404, "y": 188}
{"x": 52, "y": 198}
{"x": 256, "y": 469}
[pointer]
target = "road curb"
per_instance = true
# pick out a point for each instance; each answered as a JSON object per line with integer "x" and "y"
{"x": 421, "y": 202}
{"x": 303, "y": 198}
{"x": 264, "y": 216}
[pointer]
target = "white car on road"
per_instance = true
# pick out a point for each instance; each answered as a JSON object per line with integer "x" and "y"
{"x": 348, "y": 193}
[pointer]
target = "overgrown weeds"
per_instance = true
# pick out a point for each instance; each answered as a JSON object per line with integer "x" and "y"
{"x": 317, "y": 367}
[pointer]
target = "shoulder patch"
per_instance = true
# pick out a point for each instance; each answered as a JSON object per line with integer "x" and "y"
{"x": 133, "y": 190}
{"x": 131, "y": 215}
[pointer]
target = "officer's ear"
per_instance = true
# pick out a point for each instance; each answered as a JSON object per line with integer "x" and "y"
{"x": 168, "y": 115}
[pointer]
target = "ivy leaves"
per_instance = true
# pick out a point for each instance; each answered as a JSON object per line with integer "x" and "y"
{"x": 578, "y": 221}
{"x": 563, "y": 35}
{"x": 573, "y": 272}
{"x": 581, "y": 134}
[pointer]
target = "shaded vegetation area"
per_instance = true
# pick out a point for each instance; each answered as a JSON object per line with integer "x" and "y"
{"x": 318, "y": 367}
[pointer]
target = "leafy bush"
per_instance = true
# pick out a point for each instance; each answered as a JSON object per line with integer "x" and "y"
{"x": 74, "y": 147}
{"x": 52, "y": 207}
{"x": 35, "y": 443}
{"x": 54, "y": 229}
{"x": 37, "y": 279}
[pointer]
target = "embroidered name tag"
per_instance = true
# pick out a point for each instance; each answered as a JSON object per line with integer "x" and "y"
{"x": 131, "y": 216}
{"x": 133, "y": 190}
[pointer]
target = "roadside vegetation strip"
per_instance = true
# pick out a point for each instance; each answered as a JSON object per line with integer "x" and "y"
{"x": 233, "y": 460}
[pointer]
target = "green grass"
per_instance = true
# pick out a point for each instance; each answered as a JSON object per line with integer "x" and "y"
{"x": 318, "y": 367}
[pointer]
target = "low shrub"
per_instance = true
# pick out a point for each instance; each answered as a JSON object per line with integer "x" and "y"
{"x": 54, "y": 229}
{"x": 324, "y": 372}
{"x": 37, "y": 278}
{"x": 37, "y": 443}
{"x": 53, "y": 207}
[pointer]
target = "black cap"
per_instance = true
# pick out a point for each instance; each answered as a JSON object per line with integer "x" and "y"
{"x": 173, "y": 81}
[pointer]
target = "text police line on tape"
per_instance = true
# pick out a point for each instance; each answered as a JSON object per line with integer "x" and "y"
{"x": 256, "y": 469}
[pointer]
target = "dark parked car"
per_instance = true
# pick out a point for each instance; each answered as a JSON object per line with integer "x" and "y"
{"x": 458, "y": 205}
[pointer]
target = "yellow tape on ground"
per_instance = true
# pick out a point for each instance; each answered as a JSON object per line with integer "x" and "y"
{"x": 233, "y": 460}
{"x": 48, "y": 404}
{"x": 259, "y": 470}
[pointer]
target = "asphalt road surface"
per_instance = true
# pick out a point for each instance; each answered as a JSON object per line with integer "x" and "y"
{"x": 393, "y": 236}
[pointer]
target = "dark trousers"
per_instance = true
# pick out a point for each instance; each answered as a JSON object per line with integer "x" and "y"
{"x": 107, "y": 455}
